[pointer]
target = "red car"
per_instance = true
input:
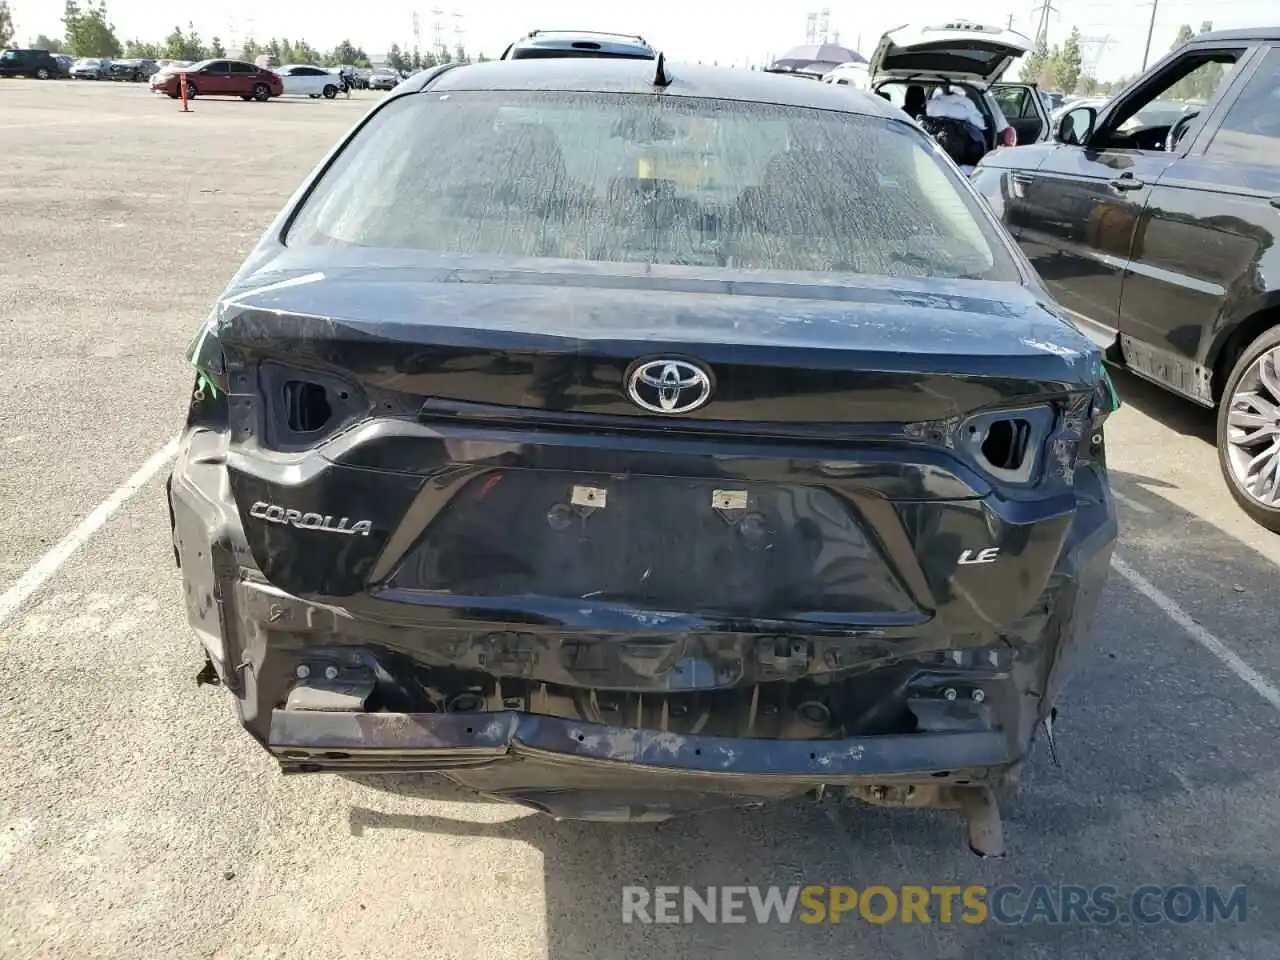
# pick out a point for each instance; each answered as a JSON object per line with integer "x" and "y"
{"x": 220, "y": 78}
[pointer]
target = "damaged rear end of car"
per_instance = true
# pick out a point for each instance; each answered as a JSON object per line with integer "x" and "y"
{"x": 621, "y": 540}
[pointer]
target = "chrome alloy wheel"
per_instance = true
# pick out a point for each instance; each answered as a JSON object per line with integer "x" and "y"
{"x": 1253, "y": 430}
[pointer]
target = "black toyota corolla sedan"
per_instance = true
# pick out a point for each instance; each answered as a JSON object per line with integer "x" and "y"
{"x": 626, "y": 439}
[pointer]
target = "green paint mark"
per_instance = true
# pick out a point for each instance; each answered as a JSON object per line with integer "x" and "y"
{"x": 205, "y": 384}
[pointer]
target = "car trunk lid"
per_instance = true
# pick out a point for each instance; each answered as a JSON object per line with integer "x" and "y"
{"x": 479, "y": 447}
{"x": 959, "y": 51}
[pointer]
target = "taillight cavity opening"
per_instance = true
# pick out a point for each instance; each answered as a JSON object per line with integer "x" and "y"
{"x": 1008, "y": 444}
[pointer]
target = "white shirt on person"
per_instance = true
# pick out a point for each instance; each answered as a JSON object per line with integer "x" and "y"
{"x": 956, "y": 106}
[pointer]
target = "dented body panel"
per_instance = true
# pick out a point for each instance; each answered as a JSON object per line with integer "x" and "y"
{"x": 453, "y": 513}
{"x": 497, "y": 570}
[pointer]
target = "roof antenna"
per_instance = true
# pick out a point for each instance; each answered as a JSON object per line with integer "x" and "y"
{"x": 660, "y": 76}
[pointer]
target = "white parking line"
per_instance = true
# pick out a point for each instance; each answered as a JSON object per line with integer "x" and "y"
{"x": 77, "y": 122}
{"x": 48, "y": 565}
{"x": 1129, "y": 502}
{"x": 1198, "y": 633}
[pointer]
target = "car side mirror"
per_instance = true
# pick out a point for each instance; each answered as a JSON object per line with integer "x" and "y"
{"x": 1076, "y": 126}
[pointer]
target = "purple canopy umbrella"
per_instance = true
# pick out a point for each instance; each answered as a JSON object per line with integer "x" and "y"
{"x": 813, "y": 55}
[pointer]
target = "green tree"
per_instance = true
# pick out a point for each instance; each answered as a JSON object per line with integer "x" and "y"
{"x": 306, "y": 53}
{"x": 70, "y": 21}
{"x": 250, "y": 49}
{"x": 1070, "y": 63}
{"x": 396, "y": 59}
{"x": 175, "y": 45}
{"x": 460, "y": 54}
{"x": 1088, "y": 86}
{"x": 141, "y": 50}
{"x": 1201, "y": 84}
{"x": 41, "y": 42}
{"x": 1210, "y": 75}
{"x": 348, "y": 53}
{"x": 6, "y": 25}
{"x": 91, "y": 34}
{"x": 1035, "y": 62}
{"x": 216, "y": 49}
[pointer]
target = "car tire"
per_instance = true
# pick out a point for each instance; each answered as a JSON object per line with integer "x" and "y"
{"x": 42, "y": 74}
{"x": 1253, "y": 391}
{"x": 191, "y": 90}
{"x": 330, "y": 91}
{"x": 261, "y": 93}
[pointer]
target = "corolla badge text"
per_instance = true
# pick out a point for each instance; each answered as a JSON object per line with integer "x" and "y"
{"x": 309, "y": 521}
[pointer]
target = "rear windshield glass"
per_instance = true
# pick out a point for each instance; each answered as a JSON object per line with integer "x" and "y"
{"x": 661, "y": 180}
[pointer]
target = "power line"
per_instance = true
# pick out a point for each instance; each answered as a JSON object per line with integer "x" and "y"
{"x": 1151, "y": 29}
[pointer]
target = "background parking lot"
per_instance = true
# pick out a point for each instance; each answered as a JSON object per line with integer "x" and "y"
{"x": 137, "y": 820}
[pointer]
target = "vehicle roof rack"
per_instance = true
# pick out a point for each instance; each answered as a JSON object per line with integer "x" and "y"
{"x": 592, "y": 33}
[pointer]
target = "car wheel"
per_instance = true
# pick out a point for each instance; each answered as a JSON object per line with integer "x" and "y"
{"x": 1249, "y": 430}
{"x": 42, "y": 74}
{"x": 330, "y": 91}
{"x": 261, "y": 93}
{"x": 191, "y": 90}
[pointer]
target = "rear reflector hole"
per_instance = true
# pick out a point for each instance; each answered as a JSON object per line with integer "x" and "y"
{"x": 306, "y": 406}
{"x": 581, "y": 737}
{"x": 697, "y": 752}
{"x": 1005, "y": 445}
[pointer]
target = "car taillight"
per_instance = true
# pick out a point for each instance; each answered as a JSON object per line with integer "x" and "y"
{"x": 1008, "y": 137}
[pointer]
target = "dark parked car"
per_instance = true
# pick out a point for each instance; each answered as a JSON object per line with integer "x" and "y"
{"x": 134, "y": 71}
{"x": 220, "y": 78}
{"x": 384, "y": 79}
{"x": 91, "y": 68}
{"x": 579, "y": 43}
{"x": 39, "y": 64}
{"x": 625, "y": 440}
{"x": 1155, "y": 226}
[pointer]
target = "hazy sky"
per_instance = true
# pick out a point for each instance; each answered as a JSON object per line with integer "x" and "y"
{"x": 730, "y": 31}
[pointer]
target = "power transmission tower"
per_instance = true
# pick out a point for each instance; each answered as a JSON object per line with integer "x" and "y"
{"x": 1099, "y": 46}
{"x": 437, "y": 28}
{"x": 459, "y": 34}
{"x": 811, "y": 29}
{"x": 417, "y": 32}
{"x": 1042, "y": 31}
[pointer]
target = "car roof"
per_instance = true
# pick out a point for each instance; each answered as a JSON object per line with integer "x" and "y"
{"x": 605, "y": 75}
{"x": 1245, "y": 33}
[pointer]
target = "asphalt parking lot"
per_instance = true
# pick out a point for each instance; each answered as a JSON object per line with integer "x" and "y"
{"x": 137, "y": 820}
